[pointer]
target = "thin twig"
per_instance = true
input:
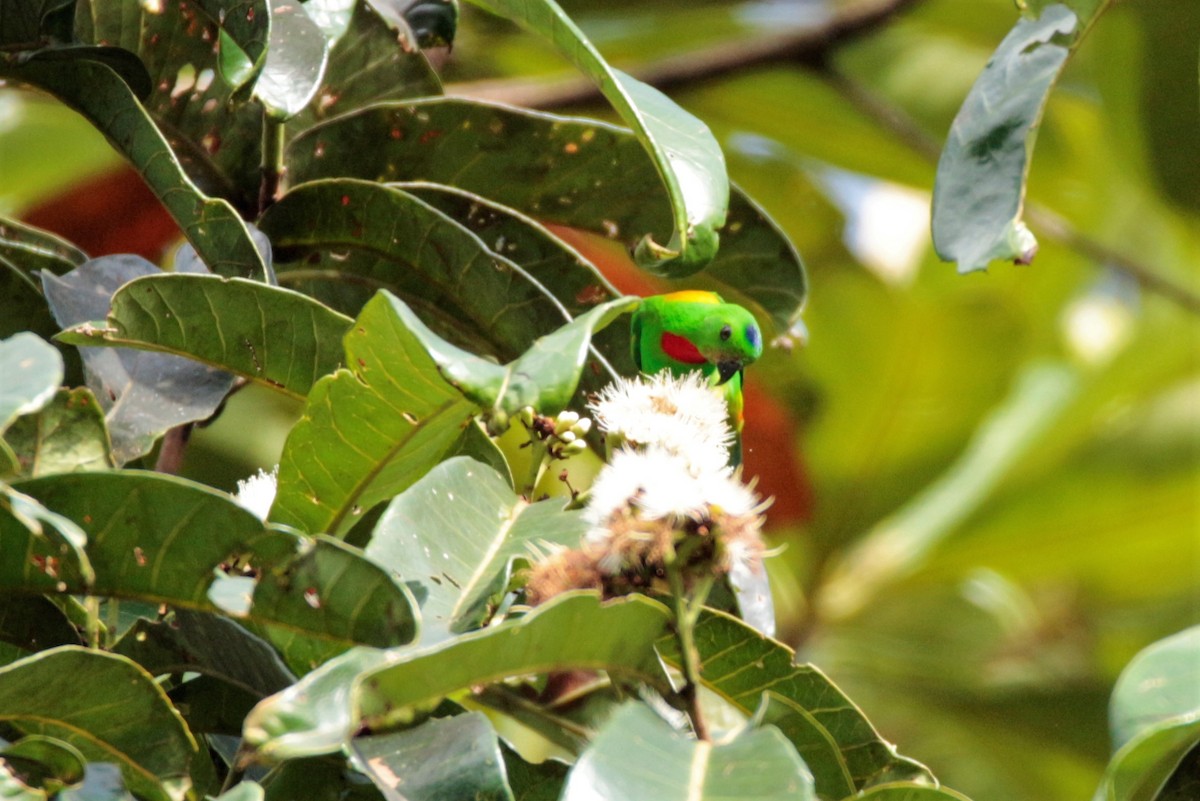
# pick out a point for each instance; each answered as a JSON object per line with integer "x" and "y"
{"x": 809, "y": 44}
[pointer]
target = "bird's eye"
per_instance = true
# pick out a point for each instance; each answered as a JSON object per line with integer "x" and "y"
{"x": 726, "y": 332}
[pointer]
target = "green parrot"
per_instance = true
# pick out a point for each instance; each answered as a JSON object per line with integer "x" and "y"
{"x": 692, "y": 331}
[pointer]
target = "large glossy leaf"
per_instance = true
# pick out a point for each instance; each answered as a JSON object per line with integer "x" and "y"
{"x": 68, "y": 434}
{"x": 143, "y": 394}
{"x": 443, "y": 758}
{"x": 740, "y": 664}
{"x": 1155, "y": 718}
{"x": 980, "y": 187}
{"x": 686, "y": 156}
{"x": 456, "y": 532}
{"x": 370, "y": 431}
{"x": 637, "y": 755}
{"x": 161, "y": 539}
{"x": 110, "y": 710}
{"x": 544, "y": 377}
{"x": 297, "y": 53}
{"x": 282, "y": 338}
{"x": 381, "y": 688}
{"x": 94, "y": 90}
{"x": 583, "y": 173}
{"x": 32, "y": 371}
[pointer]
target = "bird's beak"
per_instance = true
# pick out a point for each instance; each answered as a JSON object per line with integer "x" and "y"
{"x": 728, "y": 369}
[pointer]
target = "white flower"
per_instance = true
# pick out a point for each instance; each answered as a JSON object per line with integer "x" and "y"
{"x": 257, "y": 493}
{"x": 656, "y": 482}
{"x": 684, "y": 416}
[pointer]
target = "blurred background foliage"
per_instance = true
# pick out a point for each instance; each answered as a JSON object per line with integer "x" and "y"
{"x": 997, "y": 498}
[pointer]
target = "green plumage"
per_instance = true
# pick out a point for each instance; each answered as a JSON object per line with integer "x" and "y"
{"x": 696, "y": 331}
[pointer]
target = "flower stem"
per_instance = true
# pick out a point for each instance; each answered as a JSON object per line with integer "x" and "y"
{"x": 687, "y": 612}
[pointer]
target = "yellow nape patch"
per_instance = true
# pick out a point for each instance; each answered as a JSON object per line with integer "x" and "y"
{"x": 693, "y": 296}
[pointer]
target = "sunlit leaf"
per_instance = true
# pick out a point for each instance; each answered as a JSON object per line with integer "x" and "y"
{"x": 456, "y": 533}
{"x": 370, "y": 431}
{"x": 32, "y": 371}
{"x": 295, "y": 62}
{"x": 637, "y": 755}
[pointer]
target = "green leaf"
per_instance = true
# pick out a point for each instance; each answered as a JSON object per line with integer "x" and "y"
{"x": 32, "y": 249}
{"x": 24, "y": 251}
{"x": 381, "y": 688}
{"x": 686, "y": 156}
{"x": 583, "y": 173}
{"x": 906, "y": 791}
{"x": 455, "y": 534}
{"x": 637, "y": 756}
{"x": 46, "y": 762}
{"x": 1159, "y": 684}
{"x": 295, "y": 62}
{"x": 980, "y": 188}
{"x": 398, "y": 241}
{"x": 95, "y": 91}
{"x": 275, "y": 336}
{"x": 53, "y": 546}
{"x": 33, "y": 623}
{"x": 540, "y": 782}
{"x": 110, "y": 710}
{"x": 246, "y": 27}
{"x": 143, "y": 394}
{"x": 739, "y": 663}
{"x": 544, "y": 377}
{"x": 370, "y": 431}
{"x": 161, "y": 539}
{"x": 32, "y": 371}
{"x": 67, "y": 435}
{"x": 242, "y": 791}
{"x": 443, "y": 758}
{"x": 1155, "y": 718}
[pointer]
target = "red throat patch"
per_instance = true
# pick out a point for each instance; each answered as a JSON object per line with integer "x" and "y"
{"x": 681, "y": 349}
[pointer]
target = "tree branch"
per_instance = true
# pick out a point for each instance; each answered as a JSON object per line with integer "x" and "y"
{"x": 807, "y": 45}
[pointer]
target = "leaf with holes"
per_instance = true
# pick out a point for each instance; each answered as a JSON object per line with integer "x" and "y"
{"x": 278, "y": 337}
{"x": 684, "y": 152}
{"x": 456, "y": 532}
{"x": 583, "y": 173}
{"x": 99, "y": 94}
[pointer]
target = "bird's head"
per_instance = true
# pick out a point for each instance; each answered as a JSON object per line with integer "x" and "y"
{"x": 724, "y": 335}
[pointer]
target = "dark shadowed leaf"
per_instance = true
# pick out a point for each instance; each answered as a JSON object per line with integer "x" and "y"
{"x": 739, "y": 664}
{"x": 94, "y": 90}
{"x": 32, "y": 249}
{"x": 24, "y": 251}
{"x": 69, "y": 434}
{"x": 399, "y": 242}
{"x": 382, "y": 688}
{"x": 582, "y": 173}
{"x": 143, "y": 394}
{"x": 370, "y": 431}
{"x": 33, "y": 623}
{"x": 540, "y": 782}
{"x": 637, "y": 755}
{"x": 685, "y": 155}
{"x": 52, "y": 544}
{"x": 443, "y": 758}
{"x": 456, "y": 533}
{"x": 980, "y": 187}
{"x": 110, "y": 710}
{"x": 45, "y": 762}
{"x": 282, "y": 338}
{"x": 32, "y": 371}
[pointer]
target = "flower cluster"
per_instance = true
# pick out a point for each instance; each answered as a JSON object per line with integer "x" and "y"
{"x": 564, "y": 435}
{"x": 667, "y": 496}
